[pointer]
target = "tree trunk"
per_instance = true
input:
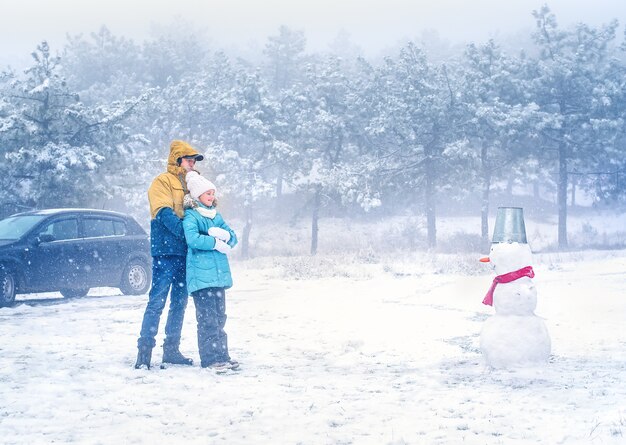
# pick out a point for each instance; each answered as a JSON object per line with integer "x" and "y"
{"x": 573, "y": 194}
{"x": 509, "y": 187}
{"x": 484, "y": 205}
{"x": 562, "y": 196}
{"x": 279, "y": 186}
{"x": 245, "y": 238}
{"x": 431, "y": 218}
{"x": 279, "y": 189}
{"x": 279, "y": 183}
{"x": 484, "y": 214}
{"x": 536, "y": 190}
{"x": 317, "y": 199}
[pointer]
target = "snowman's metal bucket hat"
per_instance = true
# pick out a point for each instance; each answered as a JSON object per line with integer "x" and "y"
{"x": 509, "y": 227}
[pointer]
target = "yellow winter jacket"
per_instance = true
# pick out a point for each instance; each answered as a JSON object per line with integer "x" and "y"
{"x": 169, "y": 188}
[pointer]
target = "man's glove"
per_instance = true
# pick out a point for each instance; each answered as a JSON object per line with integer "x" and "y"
{"x": 188, "y": 202}
{"x": 222, "y": 247}
{"x": 220, "y": 233}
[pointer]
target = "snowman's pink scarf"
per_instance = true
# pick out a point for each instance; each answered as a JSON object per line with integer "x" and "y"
{"x": 507, "y": 278}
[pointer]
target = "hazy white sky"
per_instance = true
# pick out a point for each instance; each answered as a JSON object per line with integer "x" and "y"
{"x": 372, "y": 24}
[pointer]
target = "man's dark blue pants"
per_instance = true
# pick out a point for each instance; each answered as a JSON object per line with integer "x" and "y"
{"x": 168, "y": 271}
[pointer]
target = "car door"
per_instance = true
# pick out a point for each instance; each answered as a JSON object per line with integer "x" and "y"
{"x": 103, "y": 249}
{"x": 53, "y": 262}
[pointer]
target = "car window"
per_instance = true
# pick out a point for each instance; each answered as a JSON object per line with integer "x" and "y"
{"x": 120, "y": 227}
{"x": 14, "y": 227}
{"x": 62, "y": 229}
{"x": 95, "y": 227}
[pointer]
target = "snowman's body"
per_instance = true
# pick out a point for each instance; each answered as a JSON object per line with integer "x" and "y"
{"x": 516, "y": 298}
{"x": 514, "y": 336}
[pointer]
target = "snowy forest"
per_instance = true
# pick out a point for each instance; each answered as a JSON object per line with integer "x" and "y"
{"x": 429, "y": 129}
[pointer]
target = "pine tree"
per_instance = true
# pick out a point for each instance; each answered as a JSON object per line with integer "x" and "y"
{"x": 568, "y": 87}
{"x": 415, "y": 127}
{"x": 60, "y": 151}
{"x": 497, "y": 120}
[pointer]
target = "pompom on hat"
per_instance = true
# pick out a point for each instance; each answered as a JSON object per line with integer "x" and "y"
{"x": 197, "y": 184}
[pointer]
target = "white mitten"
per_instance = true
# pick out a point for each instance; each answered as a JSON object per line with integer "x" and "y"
{"x": 222, "y": 247}
{"x": 220, "y": 233}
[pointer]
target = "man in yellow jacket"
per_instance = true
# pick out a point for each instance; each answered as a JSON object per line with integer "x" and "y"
{"x": 169, "y": 250}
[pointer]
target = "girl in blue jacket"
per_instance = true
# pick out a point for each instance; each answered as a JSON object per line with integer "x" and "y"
{"x": 209, "y": 242}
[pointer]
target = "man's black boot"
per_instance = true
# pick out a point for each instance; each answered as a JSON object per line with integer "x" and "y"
{"x": 172, "y": 355}
{"x": 143, "y": 357}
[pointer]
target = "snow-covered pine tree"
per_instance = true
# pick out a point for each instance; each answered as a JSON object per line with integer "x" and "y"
{"x": 284, "y": 55}
{"x": 325, "y": 142}
{"x": 60, "y": 152}
{"x": 103, "y": 67}
{"x": 415, "y": 127}
{"x": 497, "y": 121}
{"x": 568, "y": 86}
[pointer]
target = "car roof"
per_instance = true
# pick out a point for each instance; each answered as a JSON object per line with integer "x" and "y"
{"x": 48, "y": 212}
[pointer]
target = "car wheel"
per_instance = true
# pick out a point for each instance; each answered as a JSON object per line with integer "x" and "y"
{"x": 74, "y": 293}
{"x": 7, "y": 287}
{"x": 135, "y": 279}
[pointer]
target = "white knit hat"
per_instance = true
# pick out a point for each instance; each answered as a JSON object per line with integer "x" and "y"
{"x": 197, "y": 184}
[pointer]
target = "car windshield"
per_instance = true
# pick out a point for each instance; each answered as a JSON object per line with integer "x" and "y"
{"x": 14, "y": 227}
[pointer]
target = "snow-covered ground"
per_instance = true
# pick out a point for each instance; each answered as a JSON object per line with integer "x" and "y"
{"x": 334, "y": 350}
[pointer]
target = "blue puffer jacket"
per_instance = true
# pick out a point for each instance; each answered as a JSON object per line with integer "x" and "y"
{"x": 206, "y": 267}
{"x": 167, "y": 236}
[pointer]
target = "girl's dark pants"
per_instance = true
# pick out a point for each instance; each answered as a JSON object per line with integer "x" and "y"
{"x": 211, "y": 316}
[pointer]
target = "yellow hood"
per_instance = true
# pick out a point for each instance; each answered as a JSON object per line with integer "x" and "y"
{"x": 178, "y": 149}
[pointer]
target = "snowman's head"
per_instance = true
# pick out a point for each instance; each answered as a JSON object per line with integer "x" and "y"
{"x": 508, "y": 257}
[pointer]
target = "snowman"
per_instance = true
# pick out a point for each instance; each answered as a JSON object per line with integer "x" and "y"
{"x": 514, "y": 336}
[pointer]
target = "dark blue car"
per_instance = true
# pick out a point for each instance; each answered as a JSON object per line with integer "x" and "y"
{"x": 70, "y": 251}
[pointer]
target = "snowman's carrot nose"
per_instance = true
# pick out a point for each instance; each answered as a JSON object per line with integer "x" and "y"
{"x": 484, "y": 259}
